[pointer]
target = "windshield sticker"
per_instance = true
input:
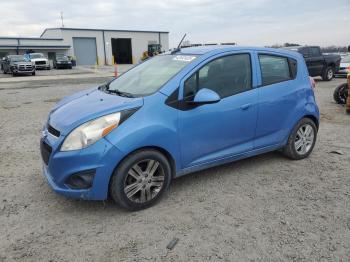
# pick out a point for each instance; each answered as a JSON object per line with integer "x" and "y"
{"x": 184, "y": 58}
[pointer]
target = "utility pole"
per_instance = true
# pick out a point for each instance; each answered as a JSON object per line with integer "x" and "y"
{"x": 62, "y": 18}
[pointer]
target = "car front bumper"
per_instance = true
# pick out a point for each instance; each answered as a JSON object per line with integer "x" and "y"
{"x": 342, "y": 72}
{"x": 101, "y": 157}
{"x": 42, "y": 66}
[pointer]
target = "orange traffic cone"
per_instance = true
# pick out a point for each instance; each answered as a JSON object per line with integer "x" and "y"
{"x": 115, "y": 70}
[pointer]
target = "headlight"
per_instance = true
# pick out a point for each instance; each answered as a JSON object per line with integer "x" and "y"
{"x": 90, "y": 132}
{"x": 58, "y": 62}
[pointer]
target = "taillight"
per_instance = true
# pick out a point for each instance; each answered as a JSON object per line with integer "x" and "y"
{"x": 312, "y": 82}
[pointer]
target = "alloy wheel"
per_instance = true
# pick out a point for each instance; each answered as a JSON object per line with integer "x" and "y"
{"x": 144, "y": 181}
{"x": 330, "y": 74}
{"x": 304, "y": 139}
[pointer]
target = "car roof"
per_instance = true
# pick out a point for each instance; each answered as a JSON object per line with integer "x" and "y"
{"x": 217, "y": 49}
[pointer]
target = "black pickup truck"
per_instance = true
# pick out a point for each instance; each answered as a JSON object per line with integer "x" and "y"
{"x": 317, "y": 63}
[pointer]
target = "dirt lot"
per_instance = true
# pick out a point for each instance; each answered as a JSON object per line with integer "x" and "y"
{"x": 266, "y": 208}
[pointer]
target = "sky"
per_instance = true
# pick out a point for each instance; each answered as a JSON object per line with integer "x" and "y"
{"x": 245, "y": 22}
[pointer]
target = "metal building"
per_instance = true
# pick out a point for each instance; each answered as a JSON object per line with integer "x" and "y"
{"x": 88, "y": 46}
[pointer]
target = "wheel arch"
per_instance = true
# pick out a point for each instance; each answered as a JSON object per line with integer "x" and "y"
{"x": 313, "y": 118}
{"x": 163, "y": 151}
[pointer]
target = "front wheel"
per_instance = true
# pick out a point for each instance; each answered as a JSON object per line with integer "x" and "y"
{"x": 302, "y": 140}
{"x": 328, "y": 74}
{"x": 140, "y": 180}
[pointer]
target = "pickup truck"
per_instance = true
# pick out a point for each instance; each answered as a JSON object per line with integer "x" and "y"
{"x": 17, "y": 65}
{"x": 318, "y": 64}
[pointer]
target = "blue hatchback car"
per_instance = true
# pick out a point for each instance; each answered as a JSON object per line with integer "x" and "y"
{"x": 174, "y": 114}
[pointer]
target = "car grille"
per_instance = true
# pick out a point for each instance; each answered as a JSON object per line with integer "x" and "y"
{"x": 46, "y": 151}
{"x": 25, "y": 68}
{"x": 343, "y": 68}
{"x": 40, "y": 62}
{"x": 53, "y": 131}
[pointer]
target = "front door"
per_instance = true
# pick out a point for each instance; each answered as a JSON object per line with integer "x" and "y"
{"x": 211, "y": 132}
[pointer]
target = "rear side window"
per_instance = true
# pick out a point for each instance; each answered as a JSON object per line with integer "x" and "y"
{"x": 275, "y": 69}
{"x": 315, "y": 51}
{"x": 227, "y": 76}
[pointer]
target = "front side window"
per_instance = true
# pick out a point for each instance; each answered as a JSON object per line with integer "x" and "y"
{"x": 226, "y": 76}
{"x": 274, "y": 69}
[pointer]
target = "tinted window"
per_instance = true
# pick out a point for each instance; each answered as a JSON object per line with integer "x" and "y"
{"x": 274, "y": 69}
{"x": 314, "y": 51}
{"x": 226, "y": 76}
{"x": 304, "y": 51}
{"x": 293, "y": 67}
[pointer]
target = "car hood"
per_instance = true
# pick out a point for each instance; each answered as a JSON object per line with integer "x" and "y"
{"x": 38, "y": 59}
{"x": 72, "y": 111}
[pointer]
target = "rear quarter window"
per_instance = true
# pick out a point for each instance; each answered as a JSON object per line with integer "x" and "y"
{"x": 275, "y": 69}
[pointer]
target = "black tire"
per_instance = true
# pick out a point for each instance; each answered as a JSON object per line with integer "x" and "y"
{"x": 121, "y": 175}
{"x": 328, "y": 74}
{"x": 341, "y": 93}
{"x": 33, "y": 74}
{"x": 290, "y": 150}
{"x": 14, "y": 74}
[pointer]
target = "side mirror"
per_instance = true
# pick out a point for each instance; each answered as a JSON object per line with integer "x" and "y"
{"x": 206, "y": 96}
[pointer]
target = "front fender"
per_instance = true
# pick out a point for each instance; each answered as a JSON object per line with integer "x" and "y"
{"x": 153, "y": 125}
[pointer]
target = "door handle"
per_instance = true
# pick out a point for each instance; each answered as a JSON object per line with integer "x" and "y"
{"x": 245, "y": 107}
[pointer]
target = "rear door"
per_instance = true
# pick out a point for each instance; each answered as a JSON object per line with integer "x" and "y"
{"x": 211, "y": 132}
{"x": 315, "y": 61}
{"x": 277, "y": 98}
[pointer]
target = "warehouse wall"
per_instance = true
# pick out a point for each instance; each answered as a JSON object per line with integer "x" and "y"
{"x": 139, "y": 41}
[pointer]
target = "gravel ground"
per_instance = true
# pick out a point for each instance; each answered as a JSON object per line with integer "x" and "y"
{"x": 265, "y": 208}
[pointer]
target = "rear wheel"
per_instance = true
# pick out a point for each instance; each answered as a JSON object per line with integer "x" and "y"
{"x": 341, "y": 93}
{"x": 328, "y": 74}
{"x": 301, "y": 140}
{"x": 140, "y": 180}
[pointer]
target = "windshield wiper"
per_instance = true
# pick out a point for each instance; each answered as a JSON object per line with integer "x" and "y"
{"x": 103, "y": 87}
{"x": 119, "y": 93}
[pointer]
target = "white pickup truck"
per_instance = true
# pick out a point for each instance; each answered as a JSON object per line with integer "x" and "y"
{"x": 40, "y": 61}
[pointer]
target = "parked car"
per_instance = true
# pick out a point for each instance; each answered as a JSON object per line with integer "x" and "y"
{"x": 17, "y": 65}
{"x": 62, "y": 61}
{"x": 40, "y": 61}
{"x": 318, "y": 64}
{"x": 177, "y": 113}
{"x": 344, "y": 66}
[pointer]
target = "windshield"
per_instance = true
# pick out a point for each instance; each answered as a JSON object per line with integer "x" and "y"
{"x": 346, "y": 59}
{"x": 149, "y": 76}
{"x": 61, "y": 57}
{"x": 17, "y": 58}
{"x": 36, "y": 56}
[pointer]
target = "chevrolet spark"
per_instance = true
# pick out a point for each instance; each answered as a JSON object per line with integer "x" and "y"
{"x": 174, "y": 114}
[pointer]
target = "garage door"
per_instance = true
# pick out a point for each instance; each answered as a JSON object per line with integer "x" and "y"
{"x": 85, "y": 50}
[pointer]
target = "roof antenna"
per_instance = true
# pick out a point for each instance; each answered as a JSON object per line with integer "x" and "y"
{"x": 62, "y": 18}
{"x": 179, "y": 46}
